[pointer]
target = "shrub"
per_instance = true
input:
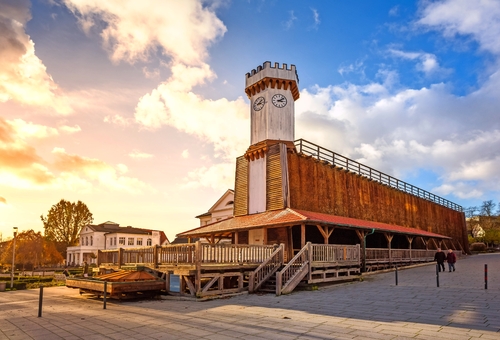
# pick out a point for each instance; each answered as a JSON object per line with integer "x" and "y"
{"x": 478, "y": 246}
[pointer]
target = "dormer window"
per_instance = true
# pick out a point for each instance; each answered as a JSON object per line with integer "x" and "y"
{"x": 230, "y": 203}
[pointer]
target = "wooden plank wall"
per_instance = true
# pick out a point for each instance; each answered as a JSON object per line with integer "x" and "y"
{"x": 318, "y": 186}
{"x": 241, "y": 187}
{"x": 274, "y": 186}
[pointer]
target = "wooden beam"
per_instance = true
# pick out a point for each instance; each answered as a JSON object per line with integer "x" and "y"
{"x": 235, "y": 237}
{"x": 302, "y": 235}
{"x": 389, "y": 237}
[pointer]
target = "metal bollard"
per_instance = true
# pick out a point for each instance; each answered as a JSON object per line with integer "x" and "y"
{"x": 40, "y": 300}
{"x": 485, "y": 276}
{"x": 396, "y": 275}
{"x": 104, "y": 296}
{"x": 437, "y": 274}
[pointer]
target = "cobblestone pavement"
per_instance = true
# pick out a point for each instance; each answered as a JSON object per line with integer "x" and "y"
{"x": 372, "y": 309}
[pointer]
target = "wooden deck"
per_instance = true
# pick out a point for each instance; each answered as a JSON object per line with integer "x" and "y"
{"x": 204, "y": 269}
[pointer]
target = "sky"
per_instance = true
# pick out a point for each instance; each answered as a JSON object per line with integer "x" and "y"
{"x": 138, "y": 109}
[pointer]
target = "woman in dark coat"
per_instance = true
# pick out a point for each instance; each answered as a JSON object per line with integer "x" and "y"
{"x": 451, "y": 258}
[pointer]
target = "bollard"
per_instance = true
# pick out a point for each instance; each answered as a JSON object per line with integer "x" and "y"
{"x": 104, "y": 296}
{"x": 437, "y": 274}
{"x": 485, "y": 276}
{"x": 40, "y": 300}
{"x": 396, "y": 275}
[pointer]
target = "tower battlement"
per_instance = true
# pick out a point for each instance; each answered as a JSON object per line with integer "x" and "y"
{"x": 273, "y": 76}
{"x": 269, "y": 71}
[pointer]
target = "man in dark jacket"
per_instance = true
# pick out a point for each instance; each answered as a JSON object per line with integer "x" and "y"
{"x": 439, "y": 257}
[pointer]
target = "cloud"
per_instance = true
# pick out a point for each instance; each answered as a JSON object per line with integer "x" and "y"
{"x": 428, "y": 63}
{"x": 217, "y": 176}
{"x": 399, "y": 130}
{"x": 479, "y": 20}
{"x": 28, "y": 129}
{"x": 136, "y": 154}
{"x": 24, "y": 77}
{"x": 20, "y": 165}
{"x": 394, "y": 11}
{"x": 70, "y": 129}
{"x": 291, "y": 19}
{"x": 132, "y": 31}
{"x": 173, "y": 104}
{"x": 3, "y": 200}
{"x": 185, "y": 153}
{"x": 315, "y": 18}
{"x": 90, "y": 169}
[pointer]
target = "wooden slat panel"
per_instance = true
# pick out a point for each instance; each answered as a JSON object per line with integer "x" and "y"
{"x": 274, "y": 188}
{"x": 241, "y": 187}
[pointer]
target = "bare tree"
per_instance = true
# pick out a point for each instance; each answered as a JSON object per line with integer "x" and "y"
{"x": 64, "y": 222}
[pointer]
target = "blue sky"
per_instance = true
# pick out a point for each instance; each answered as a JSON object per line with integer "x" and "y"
{"x": 138, "y": 108}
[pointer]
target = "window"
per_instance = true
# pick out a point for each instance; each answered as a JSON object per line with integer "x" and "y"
{"x": 130, "y": 241}
{"x": 115, "y": 240}
{"x": 91, "y": 240}
{"x": 139, "y": 241}
{"x": 121, "y": 240}
{"x": 150, "y": 242}
{"x": 110, "y": 241}
{"x": 86, "y": 240}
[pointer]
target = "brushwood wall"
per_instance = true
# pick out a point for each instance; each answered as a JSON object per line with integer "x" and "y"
{"x": 318, "y": 186}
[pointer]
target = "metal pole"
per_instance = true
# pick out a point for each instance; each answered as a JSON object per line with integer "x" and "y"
{"x": 396, "y": 275}
{"x": 40, "y": 301}
{"x": 437, "y": 274}
{"x": 13, "y": 260}
{"x": 104, "y": 296}
{"x": 485, "y": 276}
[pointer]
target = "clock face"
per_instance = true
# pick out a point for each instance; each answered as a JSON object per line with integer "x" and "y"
{"x": 258, "y": 104}
{"x": 279, "y": 100}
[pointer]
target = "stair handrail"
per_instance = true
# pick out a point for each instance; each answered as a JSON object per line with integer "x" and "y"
{"x": 292, "y": 268}
{"x": 266, "y": 269}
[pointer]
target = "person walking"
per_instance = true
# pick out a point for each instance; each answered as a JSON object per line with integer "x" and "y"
{"x": 451, "y": 258}
{"x": 440, "y": 257}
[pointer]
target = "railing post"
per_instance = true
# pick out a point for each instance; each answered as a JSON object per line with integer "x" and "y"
{"x": 310, "y": 259}
{"x": 198, "y": 254}
{"x": 155, "y": 256}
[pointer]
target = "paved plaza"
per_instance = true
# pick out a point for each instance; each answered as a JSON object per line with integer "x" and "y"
{"x": 372, "y": 309}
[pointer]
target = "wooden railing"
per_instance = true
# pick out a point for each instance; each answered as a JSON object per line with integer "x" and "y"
{"x": 235, "y": 253}
{"x": 266, "y": 269}
{"x": 385, "y": 255}
{"x": 177, "y": 254}
{"x": 187, "y": 254}
{"x": 336, "y": 159}
{"x": 288, "y": 278}
{"x": 336, "y": 253}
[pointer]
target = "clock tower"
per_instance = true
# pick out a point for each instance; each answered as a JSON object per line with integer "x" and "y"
{"x": 272, "y": 92}
{"x": 262, "y": 173}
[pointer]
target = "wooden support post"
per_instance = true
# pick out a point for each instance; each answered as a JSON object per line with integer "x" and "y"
{"x": 310, "y": 260}
{"x": 236, "y": 237}
{"x": 302, "y": 235}
{"x": 389, "y": 238}
{"x": 324, "y": 230}
{"x": 264, "y": 236}
{"x": 425, "y": 242}
{"x": 362, "y": 240}
{"x": 198, "y": 260}
{"x": 289, "y": 248}
{"x": 410, "y": 240}
{"x": 155, "y": 256}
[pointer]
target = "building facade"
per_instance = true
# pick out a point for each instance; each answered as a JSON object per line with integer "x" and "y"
{"x": 110, "y": 235}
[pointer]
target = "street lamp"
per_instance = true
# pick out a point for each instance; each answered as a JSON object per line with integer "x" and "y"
{"x": 13, "y": 257}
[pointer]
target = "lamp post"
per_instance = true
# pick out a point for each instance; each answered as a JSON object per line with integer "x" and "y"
{"x": 13, "y": 258}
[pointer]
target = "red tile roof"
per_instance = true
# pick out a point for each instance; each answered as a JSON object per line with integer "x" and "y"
{"x": 293, "y": 216}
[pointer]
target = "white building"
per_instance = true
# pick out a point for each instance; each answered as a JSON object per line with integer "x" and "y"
{"x": 109, "y": 235}
{"x": 221, "y": 210}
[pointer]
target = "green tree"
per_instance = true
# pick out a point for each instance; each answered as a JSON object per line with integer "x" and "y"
{"x": 64, "y": 222}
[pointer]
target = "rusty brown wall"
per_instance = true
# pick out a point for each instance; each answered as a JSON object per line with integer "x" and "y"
{"x": 320, "y": 187}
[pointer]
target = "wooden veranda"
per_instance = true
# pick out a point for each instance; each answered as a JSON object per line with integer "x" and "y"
{"x": 205, "y": 269}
